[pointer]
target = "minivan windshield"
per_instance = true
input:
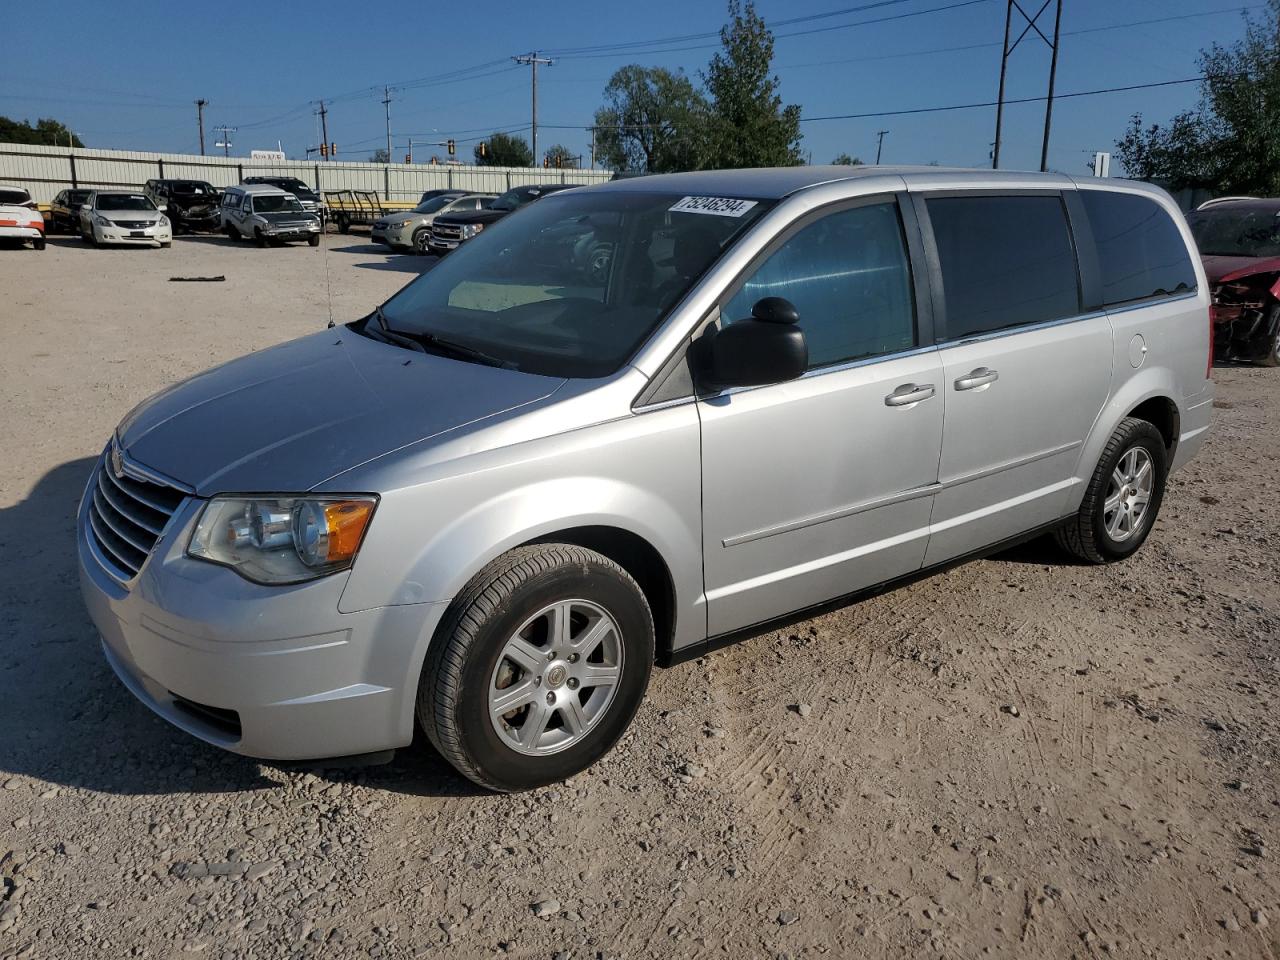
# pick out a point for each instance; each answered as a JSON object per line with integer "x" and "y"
{"x": 571, "y": 285}
{"x": 1237, "y": 231}
{"x": 276, "y": 203}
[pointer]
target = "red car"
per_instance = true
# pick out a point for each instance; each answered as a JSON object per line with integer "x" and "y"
{"x": 1239, "y": 241}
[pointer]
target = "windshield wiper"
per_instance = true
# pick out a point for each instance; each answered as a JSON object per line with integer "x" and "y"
{"x": 433, "y": 343}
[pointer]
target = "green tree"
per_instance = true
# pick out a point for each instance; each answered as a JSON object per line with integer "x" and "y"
{"x": 380, "y": 156}
{"x": 653, "y": 121}
{"x": 1231, "y": 141}
{"x": 749, "y": 125}
{"x": 504, "y": 150}
{"x": 567, "y": 160}
{"x": 843, "y": 159}
{"x": 46, "y": 132}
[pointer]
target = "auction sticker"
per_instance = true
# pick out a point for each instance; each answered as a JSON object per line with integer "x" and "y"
{"x": 716, "y": 206}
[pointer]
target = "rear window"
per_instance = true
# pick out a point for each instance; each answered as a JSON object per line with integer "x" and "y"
{"x": 1007, "y": 261}
{"x": 1141, "y": 253}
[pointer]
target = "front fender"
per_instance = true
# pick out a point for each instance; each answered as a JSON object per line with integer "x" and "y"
{"x": 641, "y": 474}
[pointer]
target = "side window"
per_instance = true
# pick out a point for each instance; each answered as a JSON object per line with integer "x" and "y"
{"x": 247, "y": 203}
{"x": 849, "y": 277}
{"x": 1140, "y": 252}
{"x": 1007, "y": 261}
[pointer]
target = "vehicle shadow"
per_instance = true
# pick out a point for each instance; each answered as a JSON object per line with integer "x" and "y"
{"x": 403, "y": 264}
{"x": 66, "y": 720}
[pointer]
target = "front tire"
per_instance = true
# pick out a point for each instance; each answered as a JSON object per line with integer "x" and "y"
{"x": 538, "y": 668}
{"x": 1123, "y": 497}
{"x": 313, "y": 240}
{"x": 1272, "y": 357}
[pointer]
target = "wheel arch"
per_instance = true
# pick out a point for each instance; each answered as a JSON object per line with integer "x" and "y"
{"x": 641, "y": 560}
{"x": 1148, "y": 395}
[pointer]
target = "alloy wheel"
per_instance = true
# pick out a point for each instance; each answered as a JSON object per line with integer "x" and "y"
{"x": 1124, "y": 513}
{"x": 556, "y": 677}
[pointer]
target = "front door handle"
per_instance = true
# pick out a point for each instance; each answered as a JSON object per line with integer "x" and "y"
{"x": 909, "y": 393}
{"x": 977, "y": 378}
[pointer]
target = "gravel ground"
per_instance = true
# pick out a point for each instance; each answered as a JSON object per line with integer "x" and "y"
{"x": 1019, "y": 757}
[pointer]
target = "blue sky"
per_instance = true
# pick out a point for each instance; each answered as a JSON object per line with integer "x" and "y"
{"x": 130, "y": 71}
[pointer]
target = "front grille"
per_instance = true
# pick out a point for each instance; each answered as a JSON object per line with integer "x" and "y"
{"x": 223, "y": 720}
{"x": 134, "y": 224}
{"x": 446, "y": 231}
{"x": 126, "y": 517}
{"x": 379, "y": 224}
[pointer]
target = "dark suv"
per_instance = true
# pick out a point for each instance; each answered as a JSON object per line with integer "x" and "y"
{"x": 311, "y": 201}
{"x": 451, "y": 230}
{"x": 190, "y": 204}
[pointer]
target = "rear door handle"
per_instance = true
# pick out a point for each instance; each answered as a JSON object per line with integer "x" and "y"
{"x": 977, "y": 378}
{"x": 909, "y": 393}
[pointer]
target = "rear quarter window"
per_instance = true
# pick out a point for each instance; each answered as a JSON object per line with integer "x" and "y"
{"x": 1141, "y": 253}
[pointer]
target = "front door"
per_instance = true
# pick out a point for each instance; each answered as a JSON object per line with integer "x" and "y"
{"x": 821, "y": 486}
{"x": 1025, "y": 373}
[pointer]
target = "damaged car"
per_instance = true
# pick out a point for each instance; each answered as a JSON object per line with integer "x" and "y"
{"x": 190, "y": 204}
{"x": 1239, "y": 241}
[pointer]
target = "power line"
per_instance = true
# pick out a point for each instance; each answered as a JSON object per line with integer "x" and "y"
{"x": 793, "y": 33}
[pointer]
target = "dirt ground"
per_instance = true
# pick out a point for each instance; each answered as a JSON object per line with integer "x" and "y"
{"x": 1016, "y": 758}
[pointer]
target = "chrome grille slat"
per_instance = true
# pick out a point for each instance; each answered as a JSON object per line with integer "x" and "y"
{"x": 118, "y": 528}
{"x": 132, "y": 514}
{"x": 104, "y": 543}
{"x": 146, "y": 499}
{"x": 127, "y": 515}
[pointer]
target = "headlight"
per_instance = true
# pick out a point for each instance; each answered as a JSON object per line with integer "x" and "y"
{"x": 163, "y": 221}
{"x": 469, "y": 230}
{"x": 101, "y": 220}
{"x": 282, "y": 539}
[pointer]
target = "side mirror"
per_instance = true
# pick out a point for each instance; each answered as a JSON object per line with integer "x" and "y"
{"x": 84, "y": 206}
{"x": 163, "y": 208}
{"x": 767, "y": 348}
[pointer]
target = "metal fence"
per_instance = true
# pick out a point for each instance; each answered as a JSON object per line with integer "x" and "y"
{"x": 44, "y": 171}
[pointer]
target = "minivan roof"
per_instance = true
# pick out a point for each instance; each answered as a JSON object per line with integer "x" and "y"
{"x": 774, "y": 183}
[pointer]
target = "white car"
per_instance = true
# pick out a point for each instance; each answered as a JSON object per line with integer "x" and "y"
{"x": 127, "y": 217}
{"x": 19, "y": 218}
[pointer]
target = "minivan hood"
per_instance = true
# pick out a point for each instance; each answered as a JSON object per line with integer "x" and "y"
{"x": 290, "y": 417}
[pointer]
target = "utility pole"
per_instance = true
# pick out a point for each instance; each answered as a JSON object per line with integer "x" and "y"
{"x": 532, "y": 59}
{"x": 225, "y": 140}
{"x": 200, "y": 105}
{"x": 386, "y": 104}
{"x": 593, "y": 147}
{"x": 1032, "y": 22}
{"x": 324, "y": 127}
{"x": 1053, "y": 76}
{"x": 880, "y": 144}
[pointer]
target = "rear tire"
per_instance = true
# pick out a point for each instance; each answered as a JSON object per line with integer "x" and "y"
{"x": 38, "y": 243}
{"x": 344, "y": 225}
{"x": 573, "y": 690}
{"x": 1123, "y": 497}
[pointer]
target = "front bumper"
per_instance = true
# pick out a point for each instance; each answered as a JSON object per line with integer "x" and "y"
{"x": 391, "y": 236}
{"x": 293, "y": 233}
{"x": 271, "y": 672}
{"x": 147, "y": 235}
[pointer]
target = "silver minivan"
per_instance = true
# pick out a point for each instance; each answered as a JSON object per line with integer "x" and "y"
{"x": 485, "y": 510}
